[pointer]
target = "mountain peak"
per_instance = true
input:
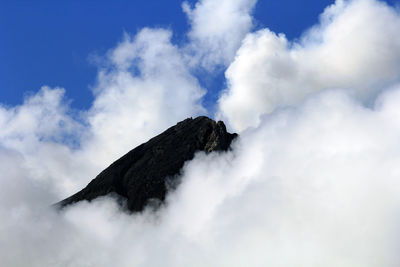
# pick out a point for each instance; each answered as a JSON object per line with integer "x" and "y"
{"x": 141, "y": 175}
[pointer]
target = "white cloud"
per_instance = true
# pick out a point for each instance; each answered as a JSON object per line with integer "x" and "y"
{"x": 355, "y": 46}
{"x": 145, "y": 88}
{"x": 313, "y": 185}
{"x": 148, "y": 89}
{"x": 217, "y": 30}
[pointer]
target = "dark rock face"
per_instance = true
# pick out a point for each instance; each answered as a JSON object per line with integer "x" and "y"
{"x": 141, "y": 175}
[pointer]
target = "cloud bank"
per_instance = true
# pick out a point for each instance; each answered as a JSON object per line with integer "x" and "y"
{"x": 312, "y": 180}
{"x": 356, "y": 46}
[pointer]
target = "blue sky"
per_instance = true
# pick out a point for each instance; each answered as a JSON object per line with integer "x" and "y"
{"x": 50, "y": 42}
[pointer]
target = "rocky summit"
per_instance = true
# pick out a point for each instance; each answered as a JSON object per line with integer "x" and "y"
{"x": 141, "y": 175}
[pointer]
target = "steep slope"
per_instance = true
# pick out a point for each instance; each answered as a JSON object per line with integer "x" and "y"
{"x": 141, "y": 174}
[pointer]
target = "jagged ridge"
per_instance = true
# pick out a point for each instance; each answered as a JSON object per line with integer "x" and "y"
{"x": 141, "y": 174}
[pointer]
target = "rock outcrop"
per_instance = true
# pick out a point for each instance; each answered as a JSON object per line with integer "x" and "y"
{"x": 141, "y": 175}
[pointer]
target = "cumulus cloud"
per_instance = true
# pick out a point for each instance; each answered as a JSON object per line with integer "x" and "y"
{"x": 314, "y": 182}
{"x": 313, "y": 185}
{"x": 217, "y": 30}
{"x": 147, "y": 89}
{"x": 144, "y": 88}
{"x": 355, "y": 46}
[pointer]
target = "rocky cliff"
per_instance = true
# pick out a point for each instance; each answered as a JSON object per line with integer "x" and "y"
{"x": 141, "y": 175}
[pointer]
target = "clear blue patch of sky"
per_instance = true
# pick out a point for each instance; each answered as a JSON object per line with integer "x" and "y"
{"x": 48, "y": 42}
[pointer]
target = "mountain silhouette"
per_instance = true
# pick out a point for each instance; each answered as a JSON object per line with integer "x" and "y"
{"x": 142, "y": 175}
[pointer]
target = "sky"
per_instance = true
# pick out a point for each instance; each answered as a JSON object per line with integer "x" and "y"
{"x": 313, "y": 90}
{"x": 52, "y": 43}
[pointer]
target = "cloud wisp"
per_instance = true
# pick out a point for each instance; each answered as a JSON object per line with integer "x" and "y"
{"x": 312, "y": 180}
{"x": 217, "y": 30}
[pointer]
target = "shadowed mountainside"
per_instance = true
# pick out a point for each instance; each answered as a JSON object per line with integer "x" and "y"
{"x": 141, "y": 175}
